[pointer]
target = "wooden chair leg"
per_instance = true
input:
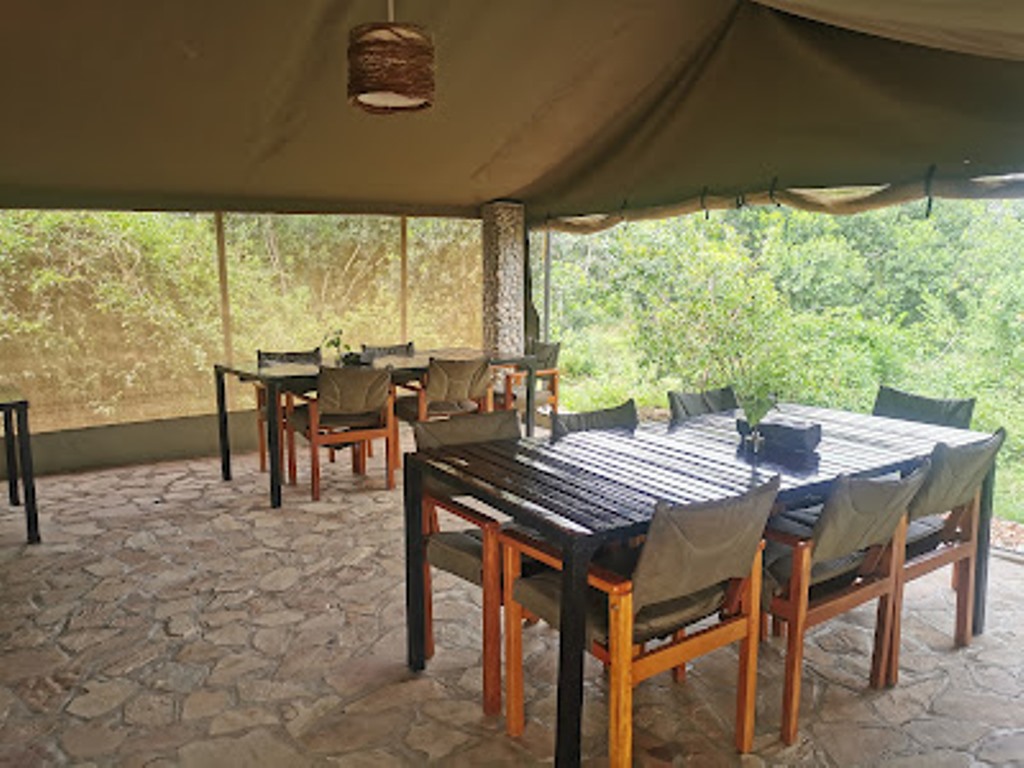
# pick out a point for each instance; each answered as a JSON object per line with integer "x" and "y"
{"x": 491, "y": 622}
{"x": 314, "y": 467}
{"x": 763, "y": 630}
{"x": 964, "y": 602}
{"x": 795, "y": 629}
{"x": 882, "y": 653}
{"x": 289, "y": 427}
{"x": 515, "y": 717}
{"x": 679, "y": 673}
{"x": 746, "y": 686}
{"x": 778, "y": 626}
{"x": 620, "y": 686}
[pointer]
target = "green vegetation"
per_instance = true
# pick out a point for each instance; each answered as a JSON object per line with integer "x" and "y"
{"x": 813, "y": 308}
{"x": 116, "y": 316}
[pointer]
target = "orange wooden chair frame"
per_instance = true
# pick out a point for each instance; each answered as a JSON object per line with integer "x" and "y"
{"x": 879, "y": 577}
{"x": 630, "y": 663}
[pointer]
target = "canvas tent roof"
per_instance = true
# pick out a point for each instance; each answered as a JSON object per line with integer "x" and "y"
{"x": 573, "y": 107}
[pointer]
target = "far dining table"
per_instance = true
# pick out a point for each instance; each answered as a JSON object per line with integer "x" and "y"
{"x": 301, "y": 378}
{"x": 592, "y": 488}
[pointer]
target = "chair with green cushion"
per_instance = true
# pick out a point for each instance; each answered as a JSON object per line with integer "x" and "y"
{"x": 852, "y": 553}
{"x": 265, "y": 359}
{"x": 471, "y": 554}
{"x": 699, "y": 561}
{"x": 897, "y": 404}
{"x": 513, "y": 384}
{"x": 943, "y": 530}
{"x": 685, "y": 405}
{"x": 449, "y": 388}
{"x": 621, "y": 417}
{"x": 352, "y": 406}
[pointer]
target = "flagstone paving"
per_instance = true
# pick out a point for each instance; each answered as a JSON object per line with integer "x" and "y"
{"x": 173, "y": 619}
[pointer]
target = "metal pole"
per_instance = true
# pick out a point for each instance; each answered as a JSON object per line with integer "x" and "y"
{"x": 547, "y": 282}
{"x": 405, "y": 280}
{"x": 222, "y": 272}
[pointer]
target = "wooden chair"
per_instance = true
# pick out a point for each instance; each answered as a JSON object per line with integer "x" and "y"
{"x": 353, "y": 405}
{"x": 449, "y": 388}
{"x": 897, "y": 404}
{"x": 943, "y": 530}
{"x": 851, "y": 554}
{"x": 699, "y": 561}
{"x": 513, "y": 390}
{"x": 685, "y": 405}
{"x": 471, "y": 554}
{"x": 269, "y": 360}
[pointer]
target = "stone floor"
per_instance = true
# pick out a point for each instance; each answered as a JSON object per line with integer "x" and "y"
{"x": 170, "y": 618}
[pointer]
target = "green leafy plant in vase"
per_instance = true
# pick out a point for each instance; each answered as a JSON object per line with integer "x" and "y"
{"x": 333, "y": 344}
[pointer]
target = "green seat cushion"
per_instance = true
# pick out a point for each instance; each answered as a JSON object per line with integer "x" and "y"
{"x": 300, "y": 418}
{"x": 778, "y": 557}
{"x": 924, "y": 534}
{"x": 542, "y": 594}
{"x": 458, "y": 552}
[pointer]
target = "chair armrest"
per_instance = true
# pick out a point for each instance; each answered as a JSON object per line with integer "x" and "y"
{"x": 597, "y": 577}
{"x": 479, "y": 519}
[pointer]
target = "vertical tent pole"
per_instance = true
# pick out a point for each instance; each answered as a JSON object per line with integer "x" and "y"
{"x": 405, "y": 280}
{"x": 222, "y": 272}
{"x": 547, "y": 282}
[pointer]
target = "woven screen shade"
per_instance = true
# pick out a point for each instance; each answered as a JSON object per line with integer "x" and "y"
{"x": 391, "y": 67}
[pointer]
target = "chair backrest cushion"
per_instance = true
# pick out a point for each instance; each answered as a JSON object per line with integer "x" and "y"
{"x": 456, "y": 380}
{"x": 897, "y": 404}
{"x": 370, "y": 353}
{"x": 353, "y": 389}
{"x": 620, "y": 417}
{"x": 302, "y": 357}
{"x": 862, "y": 512}
{"x": 693, "y": 546}
{"x": 684, "y": 405}
{"x": 546, "y": 353}
{"x": 473, "y": 428}
{"x": 955, "y": 476}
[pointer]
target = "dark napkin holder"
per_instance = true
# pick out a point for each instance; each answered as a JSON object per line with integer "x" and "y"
{"x": 783, "y": 434}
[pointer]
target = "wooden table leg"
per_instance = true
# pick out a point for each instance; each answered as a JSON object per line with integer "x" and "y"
{"x": 274, "y": 441}
{"x": 981, "y": 559}
{"x": 12, "y": 456}
{"x": 28, "y": 482}
{"x": 222, "y": 423}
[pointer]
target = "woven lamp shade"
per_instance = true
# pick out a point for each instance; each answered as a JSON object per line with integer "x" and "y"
{"x": 390, "y": 67}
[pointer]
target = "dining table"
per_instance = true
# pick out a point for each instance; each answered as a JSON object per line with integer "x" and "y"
{"x": 299, "y": 377}
{"x": 592, "y": 488}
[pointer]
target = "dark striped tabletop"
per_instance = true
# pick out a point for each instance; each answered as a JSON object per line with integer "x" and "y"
{"x": 606, "y": 483}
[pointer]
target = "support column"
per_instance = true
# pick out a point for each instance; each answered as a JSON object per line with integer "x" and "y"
{"x": 504, "y": 240}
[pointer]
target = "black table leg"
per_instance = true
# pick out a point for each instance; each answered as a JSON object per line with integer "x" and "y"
{"x": 12, "y": 456}
{"x": 28, "y": 482}
{"x": 414, "y": 608}
{"x": 984, "y": 543}
{"x": 222, "y": 423}
{"x": 572, "y": 639}
{"x": 274, "y": 441}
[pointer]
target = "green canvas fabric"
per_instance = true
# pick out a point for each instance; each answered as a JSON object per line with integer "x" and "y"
{"x": 684, "y": 405}
{"x": 370, "y": 419}
{"x": 352, "y": 390}
{"x": 265, "y": 359}
{"x": 653, "y": 112}
{"x": 542, "y": 594}
{"x": 924, "y": 534}
{"x": 369, "y": 353}
{"x": 956, "y": 474}
{"x": 456, "y": 381}
{"x": 476, "y": 428}
{"x": 546, "y": 353}
{"x": 778, "y": 557}
{"x": 458, "y": 552}
{"x": 897, "y": 404}
{"x": 620, "y": 417}
{"x": 693, "y": 546}
{"x": 862, "y": 512}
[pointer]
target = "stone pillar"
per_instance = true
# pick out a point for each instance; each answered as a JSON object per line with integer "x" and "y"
{"x": 504, "y": 262}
